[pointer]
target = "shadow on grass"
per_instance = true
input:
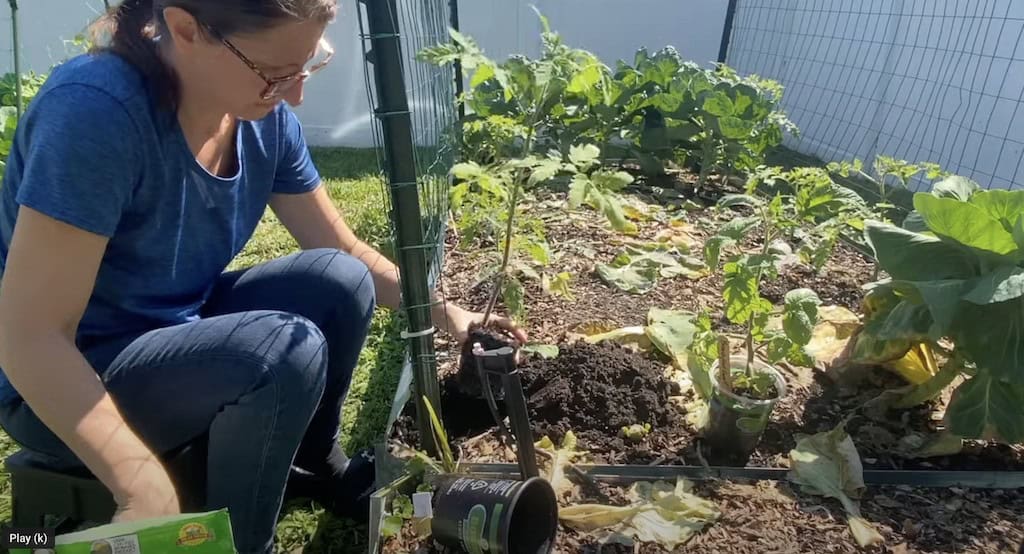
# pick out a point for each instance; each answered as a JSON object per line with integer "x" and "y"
{"x": 381, "y": 376}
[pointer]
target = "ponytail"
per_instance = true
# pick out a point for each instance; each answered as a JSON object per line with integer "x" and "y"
{"x": 129, "y": 30}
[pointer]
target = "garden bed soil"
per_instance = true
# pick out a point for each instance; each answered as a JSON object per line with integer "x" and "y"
{"x": 594, "y": 390}
{"x": 775, "y": 517}
{"x": 597, "y": 389}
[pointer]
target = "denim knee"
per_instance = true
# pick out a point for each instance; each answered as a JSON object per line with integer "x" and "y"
{"x": 293, "y": 352}
{"x": 347, "y": 282}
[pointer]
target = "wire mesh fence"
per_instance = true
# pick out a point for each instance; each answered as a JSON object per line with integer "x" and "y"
{"x": 921, "y": 80}
{"x": 414, "y": 132}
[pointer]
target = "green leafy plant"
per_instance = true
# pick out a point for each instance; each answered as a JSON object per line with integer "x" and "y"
{"x": 814, "y": 212}
{"x": 8, "y": 123}
{"x": 31, "y": 82}
{"x": 526, "y": 91}
{"x": 743, "y": 275}
{"x": 960, "y": 279}
{"x": 739, "y": 120}
{"x": 639, "y": 267}
{"x": 484, "y": 190}
{"x": 888, "y": 173}
{"x": 545, "y": 94}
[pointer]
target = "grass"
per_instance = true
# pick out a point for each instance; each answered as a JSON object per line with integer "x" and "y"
{"x": 352, "y": 180}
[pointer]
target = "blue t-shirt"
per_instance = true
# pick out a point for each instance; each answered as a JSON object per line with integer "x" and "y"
{"x": 94, "y": 151}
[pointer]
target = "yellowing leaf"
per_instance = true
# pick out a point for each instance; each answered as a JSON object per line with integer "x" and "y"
{"x": 560, "y": 458}
{"x": 831, "y": 336}
{"x": 591, "y": 517}
{"x": 680, "y": 237}
{"x": 828, "y": 464}
{"x": 661, "y": 513}
{"x": 595, "y": 333}
{"x": 917, "y": 366}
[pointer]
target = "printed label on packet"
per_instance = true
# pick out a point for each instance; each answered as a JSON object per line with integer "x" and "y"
{"x": 127, "y": 544}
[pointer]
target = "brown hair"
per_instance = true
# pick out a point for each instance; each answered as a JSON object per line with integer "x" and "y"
{"x": 128, "y": 30}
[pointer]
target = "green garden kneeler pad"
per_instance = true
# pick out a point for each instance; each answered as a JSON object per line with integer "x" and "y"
{"x": 197, "y": 533}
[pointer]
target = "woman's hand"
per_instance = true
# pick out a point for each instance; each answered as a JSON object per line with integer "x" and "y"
{"x": 150, "y": 494}
{"x": 457, "y": 321}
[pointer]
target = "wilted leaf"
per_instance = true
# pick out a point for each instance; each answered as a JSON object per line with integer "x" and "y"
{"x": 578, "y": 190}
{"x": 546, "y": 351}
{"x": 661, "y": 513}
{"x": 831, "y": 336}
{"x": 628, "y": 278}
{"x": 679, "y": 236}
{"x": 560, "y": 458}
{"x": 732, "y": 200}
{"x": 920, "y": 445}
{"x": 828, "y": 464}
{"x": 636, "y": 335}
{"x": 672, "y": 333}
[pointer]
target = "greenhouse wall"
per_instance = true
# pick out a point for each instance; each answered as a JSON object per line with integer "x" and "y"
{"x": 335, "y": 110}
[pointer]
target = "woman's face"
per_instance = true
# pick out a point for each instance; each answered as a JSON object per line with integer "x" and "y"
{"x": 248, "y": 74}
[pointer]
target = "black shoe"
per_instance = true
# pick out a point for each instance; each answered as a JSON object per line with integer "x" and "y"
{"x": 346, "y": 495}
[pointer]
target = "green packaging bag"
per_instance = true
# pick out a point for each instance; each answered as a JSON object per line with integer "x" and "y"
{"x": 199, "y": 533}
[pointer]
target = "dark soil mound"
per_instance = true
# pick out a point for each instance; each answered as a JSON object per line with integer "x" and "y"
{"x": 597, "y": 389}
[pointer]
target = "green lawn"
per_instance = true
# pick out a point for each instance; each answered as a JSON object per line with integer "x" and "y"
{"x": 353, "y": 183}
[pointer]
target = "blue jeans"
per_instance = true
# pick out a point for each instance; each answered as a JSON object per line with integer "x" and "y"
{"x": 264, "y": 372}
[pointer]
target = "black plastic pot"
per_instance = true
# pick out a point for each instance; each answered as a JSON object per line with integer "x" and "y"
{"x": 736, "y": 423}
{"x": 495, "y": 515}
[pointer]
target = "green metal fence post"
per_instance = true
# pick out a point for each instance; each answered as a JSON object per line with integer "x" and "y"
{"x": 19, "y": 102}
{"x": 400, "y": 162}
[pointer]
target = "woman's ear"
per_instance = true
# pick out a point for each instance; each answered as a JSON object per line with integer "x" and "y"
{"x": 183, "y": 28}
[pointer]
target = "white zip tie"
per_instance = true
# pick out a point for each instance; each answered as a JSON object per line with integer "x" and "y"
{"x": 425, "y": 332}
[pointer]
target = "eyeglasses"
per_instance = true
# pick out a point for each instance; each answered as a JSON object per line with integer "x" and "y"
{"x": 278, "y": 86}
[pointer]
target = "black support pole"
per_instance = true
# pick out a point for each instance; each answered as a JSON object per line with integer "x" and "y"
{"x": 393, "y": 111}
{"x": 454, "y": 10}
{"x": 730, "y": 14}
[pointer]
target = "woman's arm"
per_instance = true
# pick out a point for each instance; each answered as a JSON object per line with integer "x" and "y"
{"x": 50, "y": 272}
{"x": 315, "y": 222}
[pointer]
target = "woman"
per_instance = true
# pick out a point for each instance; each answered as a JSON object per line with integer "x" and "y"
{"x": 137, "y": 174}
